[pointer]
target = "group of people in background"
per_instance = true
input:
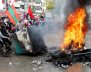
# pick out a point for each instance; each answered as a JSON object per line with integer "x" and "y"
{"x": 27, "y": 21}
{"x": 7, "y": 28}
{"x": 5, "y": 32}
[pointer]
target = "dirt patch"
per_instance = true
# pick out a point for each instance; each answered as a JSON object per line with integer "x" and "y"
{"x": 74, "y": 68}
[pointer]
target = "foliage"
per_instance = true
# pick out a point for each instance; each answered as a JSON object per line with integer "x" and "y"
{"x": 49, "y": 4}
{"x": 29, "y": 0}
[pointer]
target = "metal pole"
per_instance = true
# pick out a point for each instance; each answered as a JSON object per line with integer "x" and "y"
{"x": 24, "y": 9}
{"x": 27, "y": 2}
{"x": 5, "y": 4}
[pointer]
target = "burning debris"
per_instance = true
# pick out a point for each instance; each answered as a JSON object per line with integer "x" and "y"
{"x": 63, "y": 59}
{"x": 76, "y": 29}
{"x": 72, "y": 49}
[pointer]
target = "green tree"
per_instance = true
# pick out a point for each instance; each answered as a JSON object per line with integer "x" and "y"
{"x": 49, "y": 4}
{"x": 29, "y": 0}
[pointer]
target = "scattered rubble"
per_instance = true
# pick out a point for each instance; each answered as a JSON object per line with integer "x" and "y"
{"x": 36, "y": 68}
{"x": 10, "y": 63}
{"x": 14, "y": 64}
{"x": 36, "y": 64}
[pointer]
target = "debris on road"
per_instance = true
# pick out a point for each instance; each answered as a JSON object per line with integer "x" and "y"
{"x": 37, "y": 62}
{"x": 10, "y": 63}
{"x": 40, "y": 67}
{"x": 14, "y": 64}
{"x": 36, "y": 68}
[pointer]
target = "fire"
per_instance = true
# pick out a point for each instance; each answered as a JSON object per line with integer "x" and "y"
{"x": 76, "y": 29}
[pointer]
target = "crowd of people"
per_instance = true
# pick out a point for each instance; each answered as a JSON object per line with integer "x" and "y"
{"x": 7, "y": 28}
{"x": 5, "y": 33}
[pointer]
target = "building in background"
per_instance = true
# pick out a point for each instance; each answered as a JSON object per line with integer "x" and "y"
{"x": 38, "y": 6}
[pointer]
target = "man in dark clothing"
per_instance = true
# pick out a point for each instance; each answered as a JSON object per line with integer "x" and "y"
{"x": 1, "y": 43}
{"x": 6, "y": 40}
{"x": 4, "y": 30}
{"x": 5, "y": 34}
{"x": 9, "y": 26}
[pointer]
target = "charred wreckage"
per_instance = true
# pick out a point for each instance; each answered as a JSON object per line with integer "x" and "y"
{"x": 75, "y": 26}
{"x": 63, "y": 59}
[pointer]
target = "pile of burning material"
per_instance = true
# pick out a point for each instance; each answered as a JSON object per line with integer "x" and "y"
{"x": 63, "y": 59}
{"x": 72, "y": 49}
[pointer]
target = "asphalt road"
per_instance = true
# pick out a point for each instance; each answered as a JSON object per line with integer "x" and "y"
{"x": 17, "y": 63}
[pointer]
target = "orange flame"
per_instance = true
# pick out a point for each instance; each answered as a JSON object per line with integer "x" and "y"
{"x": 76, "y": 29}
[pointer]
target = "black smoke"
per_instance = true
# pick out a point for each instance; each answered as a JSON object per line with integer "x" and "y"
{"x": 84, "y": 2}
{"x": 36, "y": 38}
